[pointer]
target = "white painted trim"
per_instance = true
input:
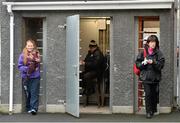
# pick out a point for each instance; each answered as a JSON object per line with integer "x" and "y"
{"x": 92, "y": 5}
{"x": 129, "y": 110}
{"x": 160, "y": 110}
{"x": 55, "y": 108}
{"x": 93, "y": 109}
{"x": 4, "y": 108}
{"x": 143, "y": 110}
{"x": 165, "y": 110}
{"x": 122, "y": 109}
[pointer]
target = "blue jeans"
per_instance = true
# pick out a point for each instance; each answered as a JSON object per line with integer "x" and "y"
{"x": 31, "y": 89}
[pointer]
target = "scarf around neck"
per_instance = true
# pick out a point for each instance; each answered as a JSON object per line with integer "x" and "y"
{"x": 150, "y": 51}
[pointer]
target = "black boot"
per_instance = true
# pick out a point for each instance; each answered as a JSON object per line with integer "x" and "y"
{"x": 152, "y": 113}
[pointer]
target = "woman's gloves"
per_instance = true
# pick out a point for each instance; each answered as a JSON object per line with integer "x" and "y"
{"x": 147, "y": 61}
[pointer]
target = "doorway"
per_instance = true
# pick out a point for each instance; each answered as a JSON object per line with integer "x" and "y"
{"x": 33, "y": 28}
{"x": 145, "y": 26}
{"x": 97, "y": 29}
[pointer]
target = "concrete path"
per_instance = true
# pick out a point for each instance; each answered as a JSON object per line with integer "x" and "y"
{"x": 48, "y": 117}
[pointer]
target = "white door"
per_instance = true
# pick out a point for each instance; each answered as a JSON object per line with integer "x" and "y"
{"x": 72, "y": 65}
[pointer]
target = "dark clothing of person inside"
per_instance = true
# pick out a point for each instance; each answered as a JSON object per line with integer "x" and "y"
{"x": 93, "y": 70}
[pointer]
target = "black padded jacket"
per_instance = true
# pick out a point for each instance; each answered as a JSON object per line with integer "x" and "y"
{"x": 94, "y": 61}
{"x": 150, "y": 73}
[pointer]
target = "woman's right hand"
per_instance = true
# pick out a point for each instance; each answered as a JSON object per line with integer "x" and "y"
{"x": 30, "y": 56}
{"x": 82, "y": 62}
{"x": 145, "y": 61}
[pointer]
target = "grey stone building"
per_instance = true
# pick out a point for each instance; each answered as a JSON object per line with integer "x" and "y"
{"x": 63, "y": 29}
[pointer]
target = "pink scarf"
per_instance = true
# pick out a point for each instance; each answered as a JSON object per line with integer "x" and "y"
{"x": 150, "y": 51}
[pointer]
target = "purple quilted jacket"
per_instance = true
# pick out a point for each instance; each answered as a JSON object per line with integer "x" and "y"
{"x": 24, "y": 69}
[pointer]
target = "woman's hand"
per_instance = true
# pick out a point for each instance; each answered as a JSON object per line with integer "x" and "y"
{"x": 81, "y": 62}
{"x": 38, "y": 58}
{"x": 145, "y": 62}
{"x": 30, "y": 56}
{"x": 150, "y": 61}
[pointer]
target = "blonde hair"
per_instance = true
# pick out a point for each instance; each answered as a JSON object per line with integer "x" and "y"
{"x": 25, "y": 51}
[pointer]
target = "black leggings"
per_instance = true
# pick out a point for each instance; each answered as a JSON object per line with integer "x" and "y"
{"x": 151, "y": 96}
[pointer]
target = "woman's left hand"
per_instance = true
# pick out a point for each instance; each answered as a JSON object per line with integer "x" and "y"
{"x": 37, "y": 59}
{"x": 150, "y": 61}
{"x": 30, "y": 56}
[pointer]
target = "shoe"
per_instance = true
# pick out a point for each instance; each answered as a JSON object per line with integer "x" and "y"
{"x": 148, "y": 115}
{"x": 33, "y": 112}
{"x": 152, "y": 113}
{"x": 29, "y": 111}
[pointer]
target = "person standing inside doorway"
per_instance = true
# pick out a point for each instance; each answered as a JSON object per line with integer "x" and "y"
{"x": 93, "y": 69}
{"x": 150, "y": 74}
{"x": 29, "y": 66}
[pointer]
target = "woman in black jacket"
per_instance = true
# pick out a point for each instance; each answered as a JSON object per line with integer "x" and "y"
{"x": 93, "y": 69}
{"x": 150, "y": 67}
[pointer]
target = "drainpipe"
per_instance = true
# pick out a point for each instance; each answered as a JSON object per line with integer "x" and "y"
{"x": 178, "y": 43}
{"x": 9, "y": 9}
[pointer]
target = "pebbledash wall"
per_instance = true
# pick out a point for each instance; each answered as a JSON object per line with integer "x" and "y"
{"x": 123, "y": 39}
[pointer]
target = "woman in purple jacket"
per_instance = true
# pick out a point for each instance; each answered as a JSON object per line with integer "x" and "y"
{"x": 29, "y": 66}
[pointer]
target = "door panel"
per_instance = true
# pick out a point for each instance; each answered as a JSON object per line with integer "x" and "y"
{"x": 72, "y": 65}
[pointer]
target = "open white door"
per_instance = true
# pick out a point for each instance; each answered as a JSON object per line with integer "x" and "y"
{"x": 72, "y": 65}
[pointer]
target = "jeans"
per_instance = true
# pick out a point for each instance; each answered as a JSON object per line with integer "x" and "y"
{"x": 31, "y": 88}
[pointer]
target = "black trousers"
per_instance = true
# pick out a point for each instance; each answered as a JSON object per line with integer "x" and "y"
{"x": 88, "y": 82}
{"x": 151, "y": 96}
